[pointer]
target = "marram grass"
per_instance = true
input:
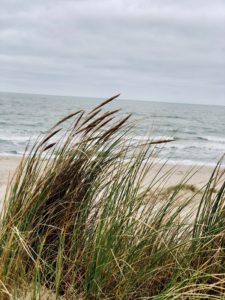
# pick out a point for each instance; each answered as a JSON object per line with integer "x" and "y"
{"x": 78, "y": 222}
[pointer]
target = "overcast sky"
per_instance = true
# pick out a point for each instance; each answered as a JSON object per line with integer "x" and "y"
{"x": 159, "y": 50}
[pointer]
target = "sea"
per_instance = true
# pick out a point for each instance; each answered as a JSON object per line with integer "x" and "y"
{"x": 198, "y": 130}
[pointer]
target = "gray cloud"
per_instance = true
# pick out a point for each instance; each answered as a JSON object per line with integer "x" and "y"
{"x": 164, "y": 50}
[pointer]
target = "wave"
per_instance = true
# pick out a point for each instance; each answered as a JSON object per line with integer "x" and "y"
{"x": 145, "y": 138}
{"x": 15, "y": 138}
{"x": 212, "y": 139}
{"x": 11, "y": 153}
{"x": 188, "y": 162}
{"x": 207, "y": 146}
{"x": 185, "y": 152}
{"x": 177, "y": 143}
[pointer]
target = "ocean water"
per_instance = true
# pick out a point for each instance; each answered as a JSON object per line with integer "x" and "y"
{"x": 198, "y": 130}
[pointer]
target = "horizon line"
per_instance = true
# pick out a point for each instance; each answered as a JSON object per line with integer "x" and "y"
{"x": 102, "y": 98}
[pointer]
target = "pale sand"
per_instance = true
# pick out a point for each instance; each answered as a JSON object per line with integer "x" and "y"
{"x": 8, "y": 166}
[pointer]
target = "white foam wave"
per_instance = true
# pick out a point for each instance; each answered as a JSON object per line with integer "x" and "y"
{"x": 15, "y": 138}
{"x": 196, "y": 146}
{"x": 189, "y": 162}
{"x": 137, "y": 139}
{"x": 216, "y": 139}
{"x": 177, "y": 145}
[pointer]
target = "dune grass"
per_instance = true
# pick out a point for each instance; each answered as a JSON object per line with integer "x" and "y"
{"x": 78, "y": 222}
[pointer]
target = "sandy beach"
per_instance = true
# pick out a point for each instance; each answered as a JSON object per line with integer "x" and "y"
{"x": 173, "y": 174}
{"x": 8, "y": 166}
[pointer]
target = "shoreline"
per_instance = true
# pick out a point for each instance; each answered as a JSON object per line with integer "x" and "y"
{"x": 173, "y": 173}
{"x": 172, "y": 162}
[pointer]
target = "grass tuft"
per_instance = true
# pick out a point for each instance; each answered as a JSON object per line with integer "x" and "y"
{"x": 78, "y": 222}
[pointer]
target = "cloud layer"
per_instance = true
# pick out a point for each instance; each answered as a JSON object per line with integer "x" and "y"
{"x": 164, "y": 50}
